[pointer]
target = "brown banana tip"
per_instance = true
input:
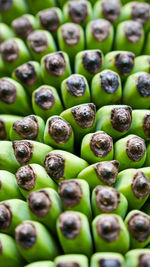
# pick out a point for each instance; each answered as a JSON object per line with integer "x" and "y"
{"x": 26, "y": 235}
{"x": 70, "y": 193}
{"x": 107, "y": 171}
{"x": 84, "y": 115}
{"x": 70, "y": 224}
{"x": 144, "y": 260}
{"x": 135, "y": 148}
{"x": 27, "y": 127}
{"x": 23, "y": 151}
{"x": 5, "y": 5}
{"x": 39, "y": 203}
{"x": 121, "y": 118}
{"x": 3, "y": 133}
{"x": 59, "y": 130}
{"x": 78, "y": 11}
{"x": 38, "y": 41}
{"x": 143, "y": 85}
{"x": 26, "y": 73}
{"x": 108, "y": 227}
{"x": 26, "y": 178}
{"x": 8, "y": 92}
{"x": 44, "y": 98}
{"x": 92, "y": 61}
{"x": 139, "y": 227}
{"x": 101, "y": 144}
{"x": 109, "y": 262}
{"x": 55, "y": 165}
{"x": 124, "y": 62}
{"x": 5, "y": 216}
{"x": 76, "y": 85}
{"x": 100, "y": 29}
{"x": 55, "y": 64}
{"x": 146, "y": 125}
{"x": 22, "y": 27}
{"x": 111, "y": 9}
{"x": 109, "y": 82}
{"x": 107, "y": 198}
{"x": 133, "y": 31}
{"x": 9, "y": 50}
{"x": 140, "y": 12}
{"x": 71, "y": 34}
{"x": 140, "y": 185}
{"x": 49, "y": 19}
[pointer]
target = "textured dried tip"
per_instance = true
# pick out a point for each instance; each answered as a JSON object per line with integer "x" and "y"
{"x": 59, "y": 130}
{"x": 107, "y": 171}
{"x": 143, "y": 85}
{"x": 78, "y": 11}
{"x": 55, "y": 64}
{"x": 5, "y": 216}
{"x": 8, "y": 92}
{"x": 26, "y": 73}
{"x": 76, "y": 85}
{"x": 101, "y": 144}
{"x": 39, "y": 203}
{"x": 22, "y": 27}
{"x": 3, "y": 133}
{"x": 84, "y": 115}
{"x": 49, "y": 19}
{"x": 70, "y": 224}
{"x": 23, "y": 151}
{"x": 26, "y": 235}
{"x": 133, "y": 31}
{"x": 92, "y": 61}
{"x": 70, "y": 193}
{"x": 44, "y": 98}
{"x": 38, "y": 41}
{"x": 140, "y": 12}
{"x": 5, "y": 4}
{"x": 146, "y": 125}
{"x": 124, "y": 62}
{"x": 139, "y": 227}
{"x": 26, "y": 178}
{"x": 109, "y": 82}
{"x": 27, "y": 127}
{"x": 107, "y": 198}
{"x": 55, "y": 165}
{"x": 140, "y": 185}
{"x": 135, "y": 148}
{"x": 111, "y": 9}
{"x": 109, "y": 262}
{"x": 108, "y": 227}
{"x": 68, "y": 264}
{"x": 144, "y": 260}
{"x": 9, "y": 50}
{"x": 121, "y": 118}
{"x": 100, "y": 29}
{"x": 70, "y": 33}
